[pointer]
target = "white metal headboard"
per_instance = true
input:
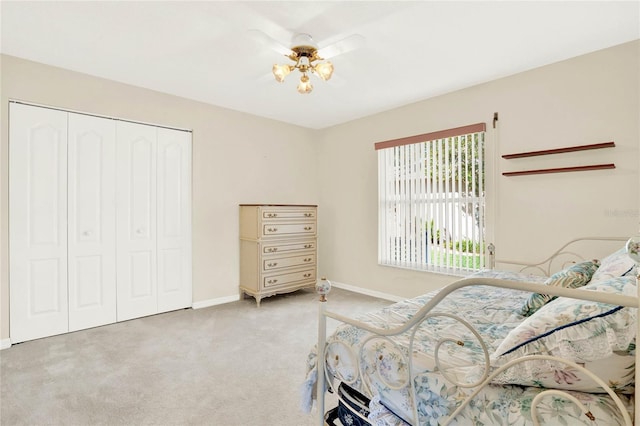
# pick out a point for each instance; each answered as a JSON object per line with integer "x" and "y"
{"x": 545, "y": 265}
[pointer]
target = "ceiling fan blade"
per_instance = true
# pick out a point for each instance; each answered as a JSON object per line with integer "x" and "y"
{"x": 347, "y": 44}
{"x": 335, "y": 80}
{"x": 269, "y": 42}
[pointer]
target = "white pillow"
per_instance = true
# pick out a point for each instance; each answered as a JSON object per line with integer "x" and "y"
{"x": 597, "y": 335}
{"x": 617, "y": 264}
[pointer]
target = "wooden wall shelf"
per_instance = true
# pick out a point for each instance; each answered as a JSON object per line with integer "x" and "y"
{"x": 560, "y": 150}
{"x": 561, "y": 170}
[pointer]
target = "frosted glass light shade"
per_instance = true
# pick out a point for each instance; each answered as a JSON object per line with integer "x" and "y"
{"x": 324, "y": 70}
{"x": 281, "y": 71}
{"x": 305, "y": 85}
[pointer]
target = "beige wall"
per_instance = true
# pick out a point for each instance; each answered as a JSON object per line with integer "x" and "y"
{"x": 237, "y": 158}
{"x": 240, "y": 158}
{"x": 585, "y": 100}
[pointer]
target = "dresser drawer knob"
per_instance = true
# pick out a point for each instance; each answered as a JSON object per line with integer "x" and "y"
{"x": 306, "y": 275}
{"x": 272, "y": 281}
{"x": 272, "y": 229}
{"x": 308, "y": 215}
{"x": 308, "y": 228}
{"x": 307, "y": 259}
{"x": 308, "y": 245}
{"x": 272, "y": 249}
{"x": 272, "y": 214}
{"x": 272, "y": 264}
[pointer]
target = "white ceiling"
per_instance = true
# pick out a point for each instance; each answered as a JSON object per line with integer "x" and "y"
{"x": 412, "y": 50}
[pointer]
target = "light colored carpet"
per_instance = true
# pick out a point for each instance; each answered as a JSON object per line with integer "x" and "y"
{"x": 232, "y": 364}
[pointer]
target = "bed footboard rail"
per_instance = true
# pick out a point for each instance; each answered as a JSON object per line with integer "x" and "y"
{"x": 427, "y": 311}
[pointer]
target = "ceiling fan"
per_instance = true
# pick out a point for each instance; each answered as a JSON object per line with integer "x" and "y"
{"x": 307, "y": 56}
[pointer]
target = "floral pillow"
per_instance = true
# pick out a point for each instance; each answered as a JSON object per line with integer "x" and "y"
{"x": 598, "y": 336}
{"x": 616, "y": 264}
{"x": 573, "y": 277}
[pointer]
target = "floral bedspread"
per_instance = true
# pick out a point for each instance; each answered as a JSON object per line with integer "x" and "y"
{"x": 380, "y": 366}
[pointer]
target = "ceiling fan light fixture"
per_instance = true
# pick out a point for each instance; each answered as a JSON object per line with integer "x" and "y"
{"x": 324, "y": 70}
{"x": 305, "y": 85}
{"x": 305, "y": 55}
{"x": 281, "y": 71}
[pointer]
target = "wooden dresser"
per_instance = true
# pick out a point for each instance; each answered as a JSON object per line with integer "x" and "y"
{"x": 278, "y": 248}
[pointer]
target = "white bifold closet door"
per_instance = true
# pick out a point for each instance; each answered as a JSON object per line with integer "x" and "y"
{"x": 92, "y": 221}
{"x": 37, "y": 222}
{"x": 99, "y": 221}
{"x": 154, "y": 220}
{"x": 174, "y": 219}
{"x": 136, "y": 223}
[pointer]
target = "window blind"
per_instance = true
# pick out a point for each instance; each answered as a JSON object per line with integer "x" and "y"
{"x": 432, "y": 201}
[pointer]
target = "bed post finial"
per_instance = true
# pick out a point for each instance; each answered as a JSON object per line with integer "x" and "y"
{"x": 491, "y": 250}
{"x": 633, "y": 251}
{"x": 323, "y": 287}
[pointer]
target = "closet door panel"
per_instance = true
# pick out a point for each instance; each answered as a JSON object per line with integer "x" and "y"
{"x": 174, "y": 219}
{"x": 136, "y": 220}
{"x": 92, "y": 226}
{"x": 37, "y": 222}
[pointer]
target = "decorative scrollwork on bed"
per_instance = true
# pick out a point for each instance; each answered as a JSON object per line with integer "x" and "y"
{"x": 386, "y": 354}
{"x": 547, "y": 392}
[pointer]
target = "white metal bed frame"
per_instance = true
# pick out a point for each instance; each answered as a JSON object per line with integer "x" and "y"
{"x": 426, "y": 312}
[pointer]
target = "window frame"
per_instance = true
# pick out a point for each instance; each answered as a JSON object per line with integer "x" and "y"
{"x": 412, "y": 201}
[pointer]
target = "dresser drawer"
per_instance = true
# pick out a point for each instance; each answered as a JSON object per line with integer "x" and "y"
{"x": 287, "y": 214}
{"x": 288, "y": 262}
{"x": 282, "y": 247}
{"x": 288, "y": 229}
{"x": 289, "y": 278}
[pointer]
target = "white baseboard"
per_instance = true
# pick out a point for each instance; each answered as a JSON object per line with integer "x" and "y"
{"x": 5, "y": 344}
{"x": 367, "y": 292}
{"x": 216, "y": 301}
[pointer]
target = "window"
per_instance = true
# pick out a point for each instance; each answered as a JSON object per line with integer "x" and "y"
{"x": 432, "y": 201}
